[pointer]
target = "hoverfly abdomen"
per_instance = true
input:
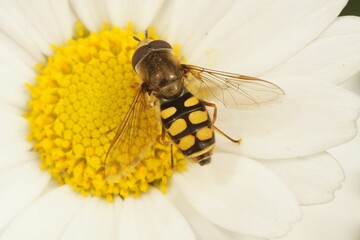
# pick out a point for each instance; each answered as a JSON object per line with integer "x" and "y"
{"x": 188, "y": 124}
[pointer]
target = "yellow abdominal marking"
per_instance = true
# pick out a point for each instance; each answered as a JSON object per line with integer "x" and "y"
{"x": 166, "y": 113}
{"x": 80, "y": 94}
{"x": 177, "y": 127}
{"x": 198, "y": 117}
{"x": 204, "y": 134}
{"x": 186, "y": 142}
{"x": 191, "y": 102}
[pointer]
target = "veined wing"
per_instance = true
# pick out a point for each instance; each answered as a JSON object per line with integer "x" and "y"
{"x": 234, "y": 90}
{"x": 135, "y": 135}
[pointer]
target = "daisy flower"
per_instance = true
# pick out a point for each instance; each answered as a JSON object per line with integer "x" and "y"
{"x": 67, "y": 81}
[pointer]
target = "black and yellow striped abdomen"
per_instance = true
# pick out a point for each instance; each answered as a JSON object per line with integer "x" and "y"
{"x": 188, "y": 124}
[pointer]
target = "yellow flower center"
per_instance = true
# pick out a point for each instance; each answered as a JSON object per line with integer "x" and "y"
{"x": 81, "y": 95}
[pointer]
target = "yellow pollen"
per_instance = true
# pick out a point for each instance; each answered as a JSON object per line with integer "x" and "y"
{"x": 81, "y": 95}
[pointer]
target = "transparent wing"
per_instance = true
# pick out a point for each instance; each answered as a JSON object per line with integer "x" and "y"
{"x": 234, "y": 90}
{"x": 135, "y": 135}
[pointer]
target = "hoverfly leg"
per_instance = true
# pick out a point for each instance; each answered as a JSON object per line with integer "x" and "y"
{"x": 163, "y": 141}
{"x": 237, "y": 141}
{"x": 172, "y": 156}
{"x": 163, "y": 137}
{"x": 213, "y": 105}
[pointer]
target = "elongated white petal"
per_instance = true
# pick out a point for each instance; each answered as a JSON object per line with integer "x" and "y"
{"x": 21, "y": 32}
{"x": 312, "y": 117}
{"x": 202, "y": 227}
{"x": 334, "y": 56}
{"x": 37, "y": 24}
{"x": 313, "y": 179}
{"x": 242, "y": 237}
{"x": 353, "y": 84}
{"x": 9, "y": 146}
{"x": 13, "y": 93}
{"x": 13, "y": 130}
{"x": 12, "y": 159}
{"x": 19, "y": 187}
{"x": 92, "y": 13}
{"x": 47, "y": 217}
{"x": 152, "y": 216}
{"x": 96, "y": 220}
{"x": 141, "y": 13}
{"x": 255, "y": 37}
{"x": 340, "y": 218}
{"x": 12, "y": 124}
{"x": 16, "y": 68}
{"x": 41, "y": 15}
{"x": 240, "y": 195}
{"x": 64, "y": 17}
{"x": 188, "y": 22}
{"x": 14, "y": 57}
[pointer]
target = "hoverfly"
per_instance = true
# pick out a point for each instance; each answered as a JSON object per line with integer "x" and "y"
{"x": 184, "y": 117}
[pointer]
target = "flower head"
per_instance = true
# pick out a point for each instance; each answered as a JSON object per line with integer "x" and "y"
{"x": 84, "y": 82}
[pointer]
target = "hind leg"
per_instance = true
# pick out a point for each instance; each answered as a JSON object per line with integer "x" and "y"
{"x": 213, "y": 105}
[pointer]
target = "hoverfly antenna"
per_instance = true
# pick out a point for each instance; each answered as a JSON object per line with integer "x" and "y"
{"x": 136, "y": 38}
{"x": 146, "y": 33}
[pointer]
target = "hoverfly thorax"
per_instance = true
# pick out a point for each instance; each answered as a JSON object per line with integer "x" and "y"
{"x": 157, "y": 67}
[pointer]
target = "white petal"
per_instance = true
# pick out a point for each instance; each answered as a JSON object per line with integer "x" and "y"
{"x": 36, "y": 25}
{"x": 15, "y": 58}
{"x": 255, "y": 37}
{"x": 139, "y": 12}
{"x": 312, "y": 117}
{"x": 15, "y": 23}
{"x": 19, "y": 187}
{"x": 65, "y": 18}
{"x": 15, "y": 158}
{"x": 16, "y": 68}
{"x": 240, "y": 195}
{"x": 14, "y": 130}
{"x": 334, "y": 56}
{"x": 152, "y": 216}
{"x": 47, "y": 217}
{"x": 12, "y": 124}
{"x": 201, "y": 226}
{"x": 41, "y": 15}
{"x": 242, "y": 237}
{"x": 339, "y": 219}
{"x": 313, "y": 179}
{"x": 94, "y": 221}
{"x": 13, "y": 93}
{"x": 188, "y": 22}
{"x": 343, "y": 25}
{"x": 353, "y": 84}
{"x": 14, "y": 144}
{"x": 92, "y": 13}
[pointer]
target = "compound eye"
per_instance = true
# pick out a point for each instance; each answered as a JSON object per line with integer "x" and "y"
{"x": 159, "y": 44}
{"x": 139, "y": 54}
